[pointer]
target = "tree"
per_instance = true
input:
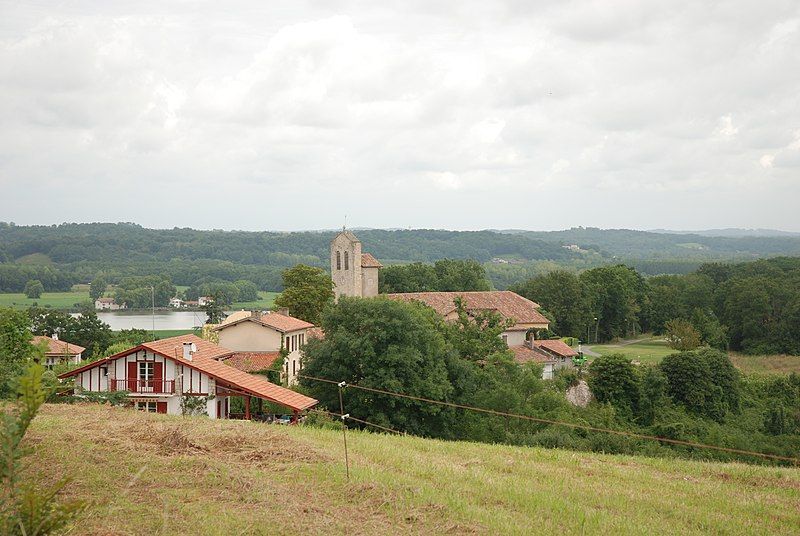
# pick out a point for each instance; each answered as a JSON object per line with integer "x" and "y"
{"x": 248, "y": 291}
{"x": 613, "y": 379}
{"x": 476, "y": 336}
{"x": 97, "y": 287}
{"x": 85, "y": 329}
{"x": 25, "y": 509}
{"x": 615, "y": 295}
{"x": 561, "y": 293}
{"x": 16, "y": 349}
{"x": 383, "y": 344}
{"x": 306, "y": 292}
{"x": 446, "y": 275}
{"x": 34, "y": 288}
{"x": 681, "y": 335}
{"x": 214, "y": 312}
{"x": 653, "y": 394}
{"x": 456, "y": 275}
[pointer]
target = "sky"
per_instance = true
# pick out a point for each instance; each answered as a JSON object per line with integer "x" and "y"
{"x": 291, "y": 115}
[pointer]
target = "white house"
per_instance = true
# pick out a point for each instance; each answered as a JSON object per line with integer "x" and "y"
{"x": 262, "y": 336}
{"x": 159, "y": 374}
{"x": 204, "y": 300}
{"x": 107, "y": 304}
{"x": 176, "y": 303}
{"x": 59, "y": 351}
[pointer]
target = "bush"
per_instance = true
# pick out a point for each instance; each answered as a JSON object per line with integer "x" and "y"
{"x": 613, "y": 379}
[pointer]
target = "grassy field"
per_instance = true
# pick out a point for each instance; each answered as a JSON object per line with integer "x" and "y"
{"x": 157, "y": 474}
{"x": 653, "y": 350}
{"x": 647, "y": 350}
{"x": 56, "y": 300}
{"x": 266, "y": 301}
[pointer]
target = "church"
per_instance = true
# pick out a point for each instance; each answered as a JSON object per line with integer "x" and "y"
{"x": 355, "y": 274}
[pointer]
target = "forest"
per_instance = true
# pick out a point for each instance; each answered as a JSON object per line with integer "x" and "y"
{"x": 62, "y": 255}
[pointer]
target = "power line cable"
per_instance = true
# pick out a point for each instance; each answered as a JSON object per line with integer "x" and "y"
{"x": 563, "y": 423}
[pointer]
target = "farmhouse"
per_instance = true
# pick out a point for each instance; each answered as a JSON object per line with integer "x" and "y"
{"x": 262, "y": 336}
{"x": 107, "y": 304}
{"x": 160, "y": 374}
{"x": 59, "y": 351}
{"x": 551, "y": 354}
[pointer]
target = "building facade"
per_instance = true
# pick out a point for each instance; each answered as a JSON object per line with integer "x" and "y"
{"x": 354, "y": 273}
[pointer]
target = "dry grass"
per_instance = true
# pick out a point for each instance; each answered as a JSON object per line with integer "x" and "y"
{"x": 766, "y": 364}
{"x": 154, "y": 474}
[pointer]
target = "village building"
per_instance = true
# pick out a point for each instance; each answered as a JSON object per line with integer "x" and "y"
{"x": 58, "y": 351}
{"x": 158, "y": 375}
{"x": 260, "y": 337}
{"x": 202, "y": 301}
{"x": 354, "y": 273}
{"x": 551, "y": 354}
{"x": 107, "y": 304}
{"x": 176, "y": 302}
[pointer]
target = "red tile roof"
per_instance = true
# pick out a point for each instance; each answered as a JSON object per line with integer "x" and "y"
{"x": 558, "y": 347}
{"x": 251, "y": 361}
{"x": 368, "y": 261}
{"x": 105, "y": 300}
{"x": 206, "y": 360}
{"x": 523, "y": 354}
{"x": 280, "y": 322}
{"x": 508, "y": 304}
{"x": 58, "y": 347}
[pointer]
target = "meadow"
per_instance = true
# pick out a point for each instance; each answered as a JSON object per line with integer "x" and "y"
{"x": 146, "y": 474}
{"x": 55, "y": 300}
{"x": 652, "y": 350}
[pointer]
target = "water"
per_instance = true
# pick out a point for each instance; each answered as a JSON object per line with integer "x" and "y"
{"x": 163, "y": 319}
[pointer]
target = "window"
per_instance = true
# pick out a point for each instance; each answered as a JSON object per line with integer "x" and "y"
{"x": 346, "y": 260}
{"x": 146, "y": 370}
{"x": 338, "y": 260}
{"x": 294, "y": 366}
{"x": 505, "y": 339}
{"x": 149, "y": 407}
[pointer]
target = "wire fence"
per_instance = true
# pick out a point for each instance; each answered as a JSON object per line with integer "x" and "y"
{"x": 540, "y": 420}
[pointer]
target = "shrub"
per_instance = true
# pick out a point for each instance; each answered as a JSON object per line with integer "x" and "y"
{"x": 613, "y": 379}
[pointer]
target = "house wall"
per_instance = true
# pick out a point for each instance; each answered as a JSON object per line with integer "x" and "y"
{"x": 515, "y": 338}
{"x": 369, "y": 282}
{"x": 250, "y": 337}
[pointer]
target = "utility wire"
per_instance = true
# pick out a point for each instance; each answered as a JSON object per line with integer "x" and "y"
{"x": 350, "y": 417}
{"x": 562, "y": 423}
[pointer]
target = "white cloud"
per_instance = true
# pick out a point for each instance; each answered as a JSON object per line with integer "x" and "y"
{"x": 285, "y": 113}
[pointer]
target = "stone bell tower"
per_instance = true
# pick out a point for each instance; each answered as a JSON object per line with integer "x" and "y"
{"x": 354, "y": 273}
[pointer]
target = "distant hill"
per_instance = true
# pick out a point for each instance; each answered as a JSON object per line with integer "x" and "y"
{"x": 732, "y": 232}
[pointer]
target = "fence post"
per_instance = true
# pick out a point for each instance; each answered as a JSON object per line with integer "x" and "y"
{"x": 342, "y": 385}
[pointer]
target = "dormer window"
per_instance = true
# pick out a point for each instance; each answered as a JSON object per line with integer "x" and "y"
{"x": 338, "y": 260}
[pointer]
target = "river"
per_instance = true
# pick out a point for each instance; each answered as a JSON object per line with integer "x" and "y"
{"x": 144, "y": 320}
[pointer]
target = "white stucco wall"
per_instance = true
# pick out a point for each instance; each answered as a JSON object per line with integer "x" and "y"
{"x": 250, "y": 337}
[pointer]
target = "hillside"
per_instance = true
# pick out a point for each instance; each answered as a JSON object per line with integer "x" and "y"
{"x": 150, "y": 474}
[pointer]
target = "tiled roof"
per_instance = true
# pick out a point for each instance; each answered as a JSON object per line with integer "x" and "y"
{"x": 251, "y": 361}
{"x": 277, "y": 321}
{"x": 233, "y": 317}
{"x": 507, "y": 303}
{"x": 523, "y": 354}
{"x": 105, "y": 300}
{"x": 206, "y": 360}
{"x": 58, "y": 347}
{"x": 368, "y": 261}
{"x": 284, "y": 323}
{"x": 557, "y": 347}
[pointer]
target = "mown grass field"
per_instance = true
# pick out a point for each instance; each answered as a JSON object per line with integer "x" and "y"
{"x": 653, "y": 350}
{"x": 266, "y": 301}
{"x": 157, "y": 474}
{"x": 56, "y": 300}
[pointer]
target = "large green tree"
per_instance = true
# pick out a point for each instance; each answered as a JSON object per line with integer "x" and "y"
{"x": 34, "y": 288}
{"x": 16, "y": 349}
{"x": 613, "y": 379}
{"x": 306, "y": 292}
{"x": 97, "y": 287}
{"x": 383, "y": 344}
{"x": 561, "y": 293}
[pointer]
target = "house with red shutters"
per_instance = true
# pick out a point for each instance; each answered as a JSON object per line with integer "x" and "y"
{"x": 158, "y": 375}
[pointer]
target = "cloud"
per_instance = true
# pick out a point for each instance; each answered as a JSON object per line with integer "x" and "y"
{"x": 413, "y": 114}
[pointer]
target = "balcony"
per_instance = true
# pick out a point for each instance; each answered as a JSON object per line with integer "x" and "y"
{"x": 144, "y": 386}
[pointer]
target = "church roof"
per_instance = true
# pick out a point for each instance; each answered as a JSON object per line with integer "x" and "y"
{"x": 348, "y": 234}
{"x": 368, "y": 261}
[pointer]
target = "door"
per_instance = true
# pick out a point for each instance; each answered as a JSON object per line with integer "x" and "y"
{"x": 219, "y": 409}
{"x": 161, "y": 407}
{"x": 158, "y": 377}
{"x": 133, "y": 376}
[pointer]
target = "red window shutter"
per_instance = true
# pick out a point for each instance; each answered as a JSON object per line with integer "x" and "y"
{"x": 161, "y": 407}
{"x": 158, "y": 377}
{"x": 133, "y": 376}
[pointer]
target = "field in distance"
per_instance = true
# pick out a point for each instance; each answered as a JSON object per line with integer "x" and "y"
{"x": 180, "y": 475}
{"x": 652, "y": 350}
{"x": 80, "y": 294}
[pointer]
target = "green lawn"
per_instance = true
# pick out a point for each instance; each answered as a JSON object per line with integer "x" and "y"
{"x": 266, "y": 301}
{"x": 56, "y": 300}
{"x": 649, "y": 350}
{"x": 182, "y": 475}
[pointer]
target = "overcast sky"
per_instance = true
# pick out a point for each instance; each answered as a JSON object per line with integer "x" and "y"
{"x": 460, "y": 115}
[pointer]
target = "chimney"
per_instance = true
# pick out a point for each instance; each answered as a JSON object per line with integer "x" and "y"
{"x": 284, "y": 312}
{"x": 531, "y": 338}
{"x": 188, "y": 349}
{"x": 255, "y": 314}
